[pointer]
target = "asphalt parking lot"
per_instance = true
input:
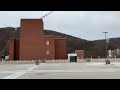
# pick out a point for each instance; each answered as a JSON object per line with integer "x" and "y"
{"x": 89, "y": 70}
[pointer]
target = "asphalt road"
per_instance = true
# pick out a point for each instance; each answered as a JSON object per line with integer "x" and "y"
{"x": 60, "y": 71}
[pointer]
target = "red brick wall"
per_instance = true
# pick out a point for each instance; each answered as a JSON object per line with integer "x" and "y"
{"x": 16, "y": 49}
{"x": 11, "y": 48}
{"x": 32, "y": 41}
{"x": 80, "y": 54}
{"x": 50, "y": 47}
{"x": 60, "y": 48}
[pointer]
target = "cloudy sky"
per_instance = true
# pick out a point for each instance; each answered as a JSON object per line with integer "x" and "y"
{"x": 88, "y": 25}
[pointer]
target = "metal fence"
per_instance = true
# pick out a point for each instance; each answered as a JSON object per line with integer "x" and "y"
{"x": 103, "y": 60}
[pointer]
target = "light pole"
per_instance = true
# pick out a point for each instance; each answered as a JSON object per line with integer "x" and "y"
{"x": 107, "y": 61}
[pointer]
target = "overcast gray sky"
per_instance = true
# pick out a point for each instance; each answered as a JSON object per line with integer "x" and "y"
{"x": 88, "y": 25}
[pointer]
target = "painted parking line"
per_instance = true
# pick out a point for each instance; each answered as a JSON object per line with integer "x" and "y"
{"x": 77, "y": 71}
{"x": 18, "y": 74}
{"x": 4, "y": 72}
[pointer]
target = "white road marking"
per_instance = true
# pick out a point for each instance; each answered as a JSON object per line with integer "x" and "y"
{"x": 4, "y": 72}
{"x": 18, "y": 74}
{"x": 23, "y": 66}
{"x": 77, "y": 71}
{"x": 30, "y": 70}
{"x": 95, "y": 64}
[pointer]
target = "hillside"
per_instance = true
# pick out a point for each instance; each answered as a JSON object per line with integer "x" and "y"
{"x": 92, "y": 48}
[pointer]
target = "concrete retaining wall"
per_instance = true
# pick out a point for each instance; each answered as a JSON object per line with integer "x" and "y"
{"x": 57, "y": 61}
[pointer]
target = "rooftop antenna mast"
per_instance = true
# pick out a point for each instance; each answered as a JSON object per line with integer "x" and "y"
{"x": 47, "y": 14}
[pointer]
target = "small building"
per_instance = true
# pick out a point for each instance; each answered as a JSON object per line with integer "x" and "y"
{"x": 80, "y": 54}
{"x": 73, "y": 57}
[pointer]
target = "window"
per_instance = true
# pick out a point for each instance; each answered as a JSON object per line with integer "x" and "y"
{"x": 47, "y": 42}
{"x": 47, "y": 52}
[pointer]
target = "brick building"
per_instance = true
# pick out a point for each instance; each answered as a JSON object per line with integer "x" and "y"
{"x": 34, "y": 45}
{"x": 80, "y": 54}
{"x": 114, "y": 53}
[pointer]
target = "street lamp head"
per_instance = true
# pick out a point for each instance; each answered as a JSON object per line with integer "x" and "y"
{"x": 105, "y": 32}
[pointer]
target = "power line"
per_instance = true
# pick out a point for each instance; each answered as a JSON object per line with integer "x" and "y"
{"x": 47, "y": 14}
